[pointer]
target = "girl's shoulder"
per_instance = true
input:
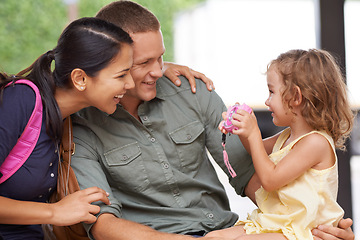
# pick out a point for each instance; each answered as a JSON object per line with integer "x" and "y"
{"x": 319, "y": 145}
{"x": 318, "y": 140}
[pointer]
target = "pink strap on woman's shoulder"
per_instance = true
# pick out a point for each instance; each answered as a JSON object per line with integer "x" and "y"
{"x": 28, "y": 139}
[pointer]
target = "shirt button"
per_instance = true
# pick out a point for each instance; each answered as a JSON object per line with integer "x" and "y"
{"x": 56, "y": 150}
{"x": 152, "y": 139}
{"x": 52, "y": 175}
{"x": 145, "y": 118}
{"x": 124, "y": 157}
{"x": 165, "y": 165}
{"x": 188, "y": 137}
{"x": 210, "y": 215}
{"x": 40, "y": 196}
{"x": 50, "y": 189}
{"x": 176, "y": 192}
{"x": 50, "y": 164}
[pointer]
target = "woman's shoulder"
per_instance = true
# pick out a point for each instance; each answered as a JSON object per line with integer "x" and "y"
{"x": 19, "y": 89}
{"x": 18, "y": 96}
{"x": 16, "y": 107}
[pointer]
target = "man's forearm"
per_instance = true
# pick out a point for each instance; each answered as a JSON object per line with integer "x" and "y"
{"x": 109, "y": 227}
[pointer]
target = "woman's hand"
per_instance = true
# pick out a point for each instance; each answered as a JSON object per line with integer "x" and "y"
{"x": 172, "y": 71}
{"x": 343, "y": 231}
{"x": 77, "y": 207}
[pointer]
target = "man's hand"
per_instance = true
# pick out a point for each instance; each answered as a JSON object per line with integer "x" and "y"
{"x": 343, "y": 231}
{"x": 172, "y": 71}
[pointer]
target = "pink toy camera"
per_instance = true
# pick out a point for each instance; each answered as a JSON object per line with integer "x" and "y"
{"x": 229, "y": 116}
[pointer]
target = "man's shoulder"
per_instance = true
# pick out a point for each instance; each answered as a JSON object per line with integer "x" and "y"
{"x": 88, "y": 116}
{"x": 165, "y": 87}
{"x": 166, "y": 83}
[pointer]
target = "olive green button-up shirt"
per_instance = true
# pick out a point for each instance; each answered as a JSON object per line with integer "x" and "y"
{"x": 157, "y": 171}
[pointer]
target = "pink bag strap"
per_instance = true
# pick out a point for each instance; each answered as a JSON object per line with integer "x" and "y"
{"x": 28, "y": 139}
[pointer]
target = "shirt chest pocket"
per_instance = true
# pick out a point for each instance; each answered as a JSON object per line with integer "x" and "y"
{"x": 126, "y": 167}
{"x": 190, "y": 144}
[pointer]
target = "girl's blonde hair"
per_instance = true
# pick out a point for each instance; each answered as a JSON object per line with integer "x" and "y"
{"x": 325, "y": 103}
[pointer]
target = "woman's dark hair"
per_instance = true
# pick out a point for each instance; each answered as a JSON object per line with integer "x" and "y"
{"x": 87, "y": 43}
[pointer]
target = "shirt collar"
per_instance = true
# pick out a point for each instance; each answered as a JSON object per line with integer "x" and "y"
{"x": 160, "y": 93}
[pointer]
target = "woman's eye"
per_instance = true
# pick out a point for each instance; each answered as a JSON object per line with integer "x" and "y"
{"x": 121, "y": 76}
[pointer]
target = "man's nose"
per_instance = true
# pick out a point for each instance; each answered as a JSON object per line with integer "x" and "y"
{"x": 157, "y": 69}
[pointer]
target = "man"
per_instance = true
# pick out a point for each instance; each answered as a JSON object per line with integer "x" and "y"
{"x": 150, "y": 155}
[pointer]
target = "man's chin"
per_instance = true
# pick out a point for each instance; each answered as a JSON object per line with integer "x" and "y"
{"x": 140, "y": 95}
{"x": 148, "y": 94}
{"x": 149, "y": 97}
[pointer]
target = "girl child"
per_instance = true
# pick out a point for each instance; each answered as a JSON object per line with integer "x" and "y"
{"x": 297, "y": 167}
{"x": 92, "y": 62}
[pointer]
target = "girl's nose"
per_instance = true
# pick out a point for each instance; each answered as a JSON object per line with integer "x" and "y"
{"x": 267, "y": 102}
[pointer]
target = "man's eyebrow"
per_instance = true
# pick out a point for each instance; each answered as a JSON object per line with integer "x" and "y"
{"x": 143, "y": 60}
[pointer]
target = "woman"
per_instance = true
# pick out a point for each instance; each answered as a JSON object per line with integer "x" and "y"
{"x": 92, "y": 62}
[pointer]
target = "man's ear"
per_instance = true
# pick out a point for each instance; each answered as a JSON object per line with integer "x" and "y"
{"x": 297, "y": 97}
{"x": 78, "y": 78}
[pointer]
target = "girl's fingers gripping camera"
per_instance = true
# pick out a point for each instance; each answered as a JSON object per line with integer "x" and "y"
{"x": 229, "y": 116}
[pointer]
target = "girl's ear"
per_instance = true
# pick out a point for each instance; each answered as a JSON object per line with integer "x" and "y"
{"x": 297, "y": 97}
{"x": 78, "y": 78}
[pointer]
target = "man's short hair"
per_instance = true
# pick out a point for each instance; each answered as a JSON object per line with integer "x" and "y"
{"x": 130, "y": 16}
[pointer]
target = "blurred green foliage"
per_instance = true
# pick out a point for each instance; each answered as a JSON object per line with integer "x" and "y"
{"x": 30, "y": 28}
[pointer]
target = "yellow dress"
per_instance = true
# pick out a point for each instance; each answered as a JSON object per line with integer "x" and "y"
{"x": 295, "y": 209}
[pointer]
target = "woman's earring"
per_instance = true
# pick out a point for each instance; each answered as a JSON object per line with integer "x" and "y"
{"x": 83, "y": 86}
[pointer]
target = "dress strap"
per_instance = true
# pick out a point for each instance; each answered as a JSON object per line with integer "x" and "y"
{"x": 281, "y": 139}
{"x": 286, "y": 133}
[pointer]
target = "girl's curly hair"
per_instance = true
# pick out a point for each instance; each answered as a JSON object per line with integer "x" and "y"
{"x": 325, "y": 103}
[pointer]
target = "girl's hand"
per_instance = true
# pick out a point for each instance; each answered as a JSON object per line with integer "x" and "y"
{"x": 246, "y": 124}
{"x": 77, "y": 207}
{"x": 343, "y": 231}
{"x": 172, "y": 71}
{"x": 221, "y": 124}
